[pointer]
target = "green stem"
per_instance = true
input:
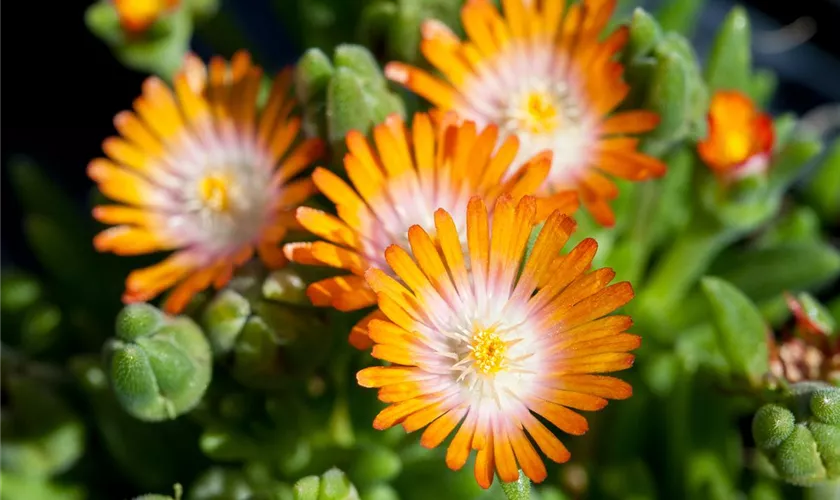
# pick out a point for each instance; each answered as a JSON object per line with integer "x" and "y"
{"x": 519, "y": 489}
{"x": 677, "y": 271}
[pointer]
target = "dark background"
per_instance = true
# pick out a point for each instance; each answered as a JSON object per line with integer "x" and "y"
{"x": 62, "y": 87}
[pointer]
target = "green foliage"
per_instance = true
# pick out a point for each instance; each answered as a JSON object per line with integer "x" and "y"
{"x": 251, "y": 392}
{"x": 802, "y": 444}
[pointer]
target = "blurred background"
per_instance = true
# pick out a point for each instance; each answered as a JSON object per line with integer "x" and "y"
{"x": 62, "y": 86}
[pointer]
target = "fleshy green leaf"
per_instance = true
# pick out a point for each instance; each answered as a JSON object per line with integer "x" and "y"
{"x": 741, "y": 331}
{"x": 729, "y": 66}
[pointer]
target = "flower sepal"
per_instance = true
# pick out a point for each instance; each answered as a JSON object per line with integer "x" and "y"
{"x": 159, "y": 366}
{"x": 159, "y": 48}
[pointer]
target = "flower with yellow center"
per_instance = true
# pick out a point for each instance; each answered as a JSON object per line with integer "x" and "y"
{"x": 200, "y": 171}
{"x": 136, "y": 16}
{"x": 740, "y": 139}
{"x": 472, "y": 340}
{"x": 542, "y": 73}
{"x": 401, "y": 183}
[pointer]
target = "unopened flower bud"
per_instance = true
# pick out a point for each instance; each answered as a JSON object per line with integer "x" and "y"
{"x": 771, "y": 425}
{"x": 825, "y": 406}
{"x": 807, "y": 451}
{"x": 332, "y": 485}
{"x": 287, "y": 286}
{"x": 223, "y": 319}
{"x": 797, "y": 459}
{"x": 159, "y": 367}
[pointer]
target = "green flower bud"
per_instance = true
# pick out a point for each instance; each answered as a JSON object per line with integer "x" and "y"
{"x": 375, "y": 464}
{"x": 797, "y": 459}
{"x": 771, "y": 425}
{"x": 349, "y": 94}
{"x": 286, "y": 285}
{"x": 42, "y": 435}
{"x": 312, "y": 76}
{"x": 825, "y": 406}
{"x": 332, "y": 485}
{"x": 729, "y": 66}
{"x": 742, "y": 334}
{"x": 668, "y": 95}
{"x": 160, "y": 50}
{"x": 394, "y": 25}
{"x": 644, "y": 34}
{"x": 223, "y": 319}
{"x": 380, "y": 492}
{"x": 828, "y": 446}
{"x": 138, "y": 320}
{"x": 159, "y": 367}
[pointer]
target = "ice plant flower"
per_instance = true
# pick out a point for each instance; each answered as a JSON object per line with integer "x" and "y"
{"x": 136, "y": 16}
{"x": 740, "y": 138}
{"x": 401, "y": 183}
{"x": 199, "y": 171}
{"x": 471, "y": 339}
{"x": 548, "y": 78}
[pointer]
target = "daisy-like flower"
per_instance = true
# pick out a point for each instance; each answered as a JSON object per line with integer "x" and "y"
{"x": 199, "y": 171}
{"x": 740, "y": 139}
{"x": 399, "y": 184}
{"x": 137, "y": 15}
{"x": 471, "y": 340}
{"x": 543, "y": 73}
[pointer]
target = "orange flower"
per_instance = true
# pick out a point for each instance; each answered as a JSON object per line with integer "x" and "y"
{"x": 199, "y": 171}
{"x": 547, "y": 78}
{"x": 471, "y": 340}
{"x": 137, "y": 15}
{"x": 740, "y": 137}
{"x": 402, "y": 183}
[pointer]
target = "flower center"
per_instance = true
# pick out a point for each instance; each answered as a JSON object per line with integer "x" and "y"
{"x": 213, "y": 190}
{"x": 488, "y": 352}
{"x": 540, "y": 109}
{"x": 737, "y": 146}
